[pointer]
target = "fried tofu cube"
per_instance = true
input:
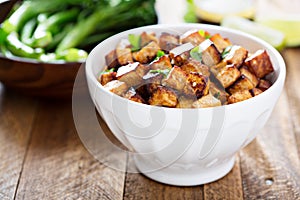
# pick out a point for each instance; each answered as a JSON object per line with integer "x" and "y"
{"x": 264, "y": 84}
{"x": 176, "y": 79}
{"x": 146, "y": 38}
{"x": 197, "y": 85}
{"x": 236, "y": 55}
{"x": 132, "y": 73}
{"x": 162, "y": 63}
{"x": 210, "y": 54}
{"x": 180, "y": 54}
{"x": 116, "y": 86}
{"x": 207, "y": 101}
{"x": 147, "y": 53}
{"x": 185, "y": 102}
{"x": 107, "y": 77}
{"x": 219, "y": 93}
{"x": 132, "y": 95}
{"x": 163, "y": 96}
{"x": 226, "y": 75}
{"x": 220, "y": 42}
{"x": 246, "y": 72}
{"x": 193, "y": 37}
{"x": 152, "y": 81}
{"x": 239, "y": 96}
{"x": 256, "y": 91}
{"x": 243, "y": 83}
{"x": 167, "y": 41}
{"x": 259, "y": 63}
{"x": 193, "y": 65}
{"x": 123, "y": 52}
{"x": 111, "y": 60}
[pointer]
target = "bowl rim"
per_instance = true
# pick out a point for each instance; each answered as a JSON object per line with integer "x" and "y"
{"x": 34, "y": 61}
{"x": 279, "y": 81}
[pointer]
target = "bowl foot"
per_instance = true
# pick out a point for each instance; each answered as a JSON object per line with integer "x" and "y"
{"x": 178, "y": 176}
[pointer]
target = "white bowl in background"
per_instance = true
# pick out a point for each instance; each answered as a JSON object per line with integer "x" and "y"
{"x": 184, "y": 146}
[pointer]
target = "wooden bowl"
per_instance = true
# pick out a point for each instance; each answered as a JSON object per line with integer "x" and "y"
{"x": 36, "y": 78}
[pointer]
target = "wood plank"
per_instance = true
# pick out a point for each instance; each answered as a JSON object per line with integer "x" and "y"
{"x": 17, "y": 114}
{"x": 59, "y": 167}
{"x": 137, "y": 186}
{"x": 270, "y": 165}
{"x": 292, "y": 56}
{"x": 229, "y": 187}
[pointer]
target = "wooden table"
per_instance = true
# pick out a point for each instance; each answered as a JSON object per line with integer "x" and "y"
{"x": 42, "y": 156}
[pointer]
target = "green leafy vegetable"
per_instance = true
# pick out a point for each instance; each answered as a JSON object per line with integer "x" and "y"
{"x": 190, "y": 16}
{"x": 67, "y": 30}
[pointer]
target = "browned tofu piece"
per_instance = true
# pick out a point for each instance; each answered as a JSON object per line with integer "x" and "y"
{"x": 219, "y": 93}
{"x": 197, "y": 85}
{"x": 132, "y": 95}
{"x": 167, "y": 41}
{"x": 147, "y": 53}
{"x": 107, "y": 77}
{"x": 176, "y": 79}
{"x": 259, "y": 63}
{"x": 123, "y": 52}
{"x": 193, "y": 37}
{"x": 264, "y": 84}
{"x": 239, "y": 96}
{"x": 207, "y": 101}
{"x": 226, "y": 75}
{"x": 185, "y": 102}
{"x": 193, "y": 65}
{"x": 236, "y": 55}
{"x": 131, "y": 73}
{"x": 111, "y": 60}
{"x": 207, "y": 52}
{"x": 116, "y": 86}
{"x": 146, "y": 38}
{"x": 245, "y": 71}
{"x": 180, "y": 54}
{"x": 220, "y": 42}
{"x": 162, "y": 63}
{"x": 256, "y": 91}
{"x": 243, "y": 83}
{"x": 152, "y": 81}
{"x": 163, "y": 96}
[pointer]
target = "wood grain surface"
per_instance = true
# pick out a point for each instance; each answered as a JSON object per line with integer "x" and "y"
{"x": 42, "y": 156}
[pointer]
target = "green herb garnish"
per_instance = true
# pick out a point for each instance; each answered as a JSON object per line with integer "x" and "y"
{"x": 135, "y": 41}
{"x": 204, "y": 34}
{"x": 108, "y": 71}
{"x": 159, "y": 54}
{"x": 165, "y": 72}
{"x": 226, "y": 51}
{"x": 196, "y": 54}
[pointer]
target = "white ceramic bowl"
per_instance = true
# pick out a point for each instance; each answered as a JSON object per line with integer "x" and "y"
{"x": 184, "y": 146}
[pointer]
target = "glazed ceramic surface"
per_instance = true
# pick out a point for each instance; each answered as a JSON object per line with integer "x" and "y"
{"x": 184, "y": 146}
